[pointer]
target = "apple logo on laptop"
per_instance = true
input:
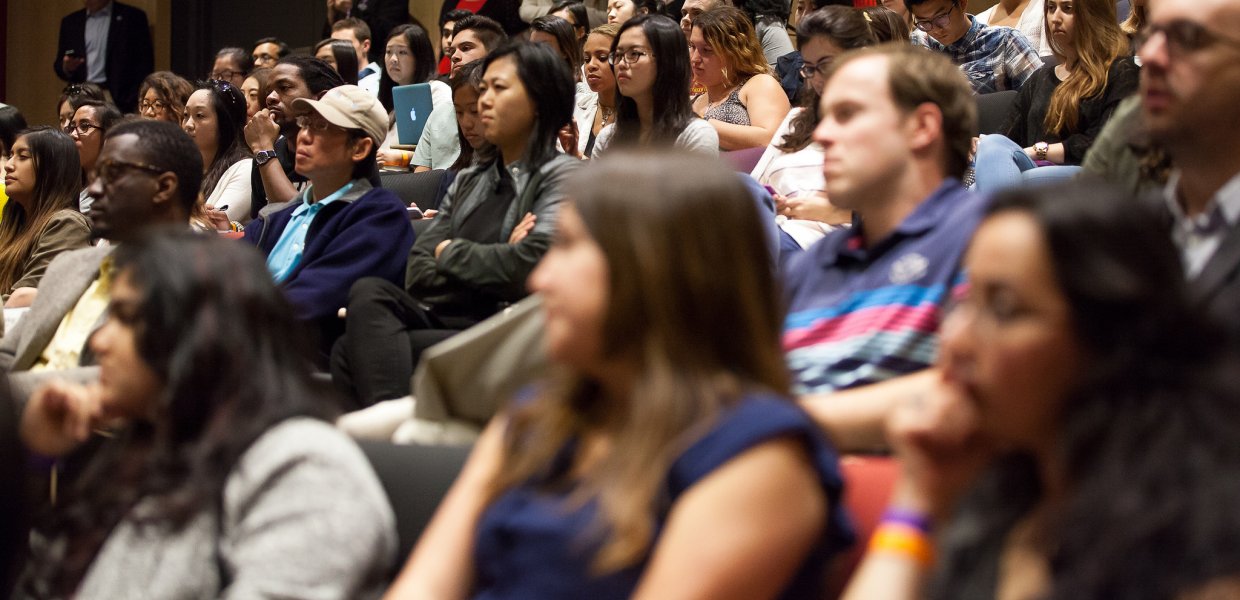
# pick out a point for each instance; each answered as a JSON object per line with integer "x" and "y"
{"x": 413, "y": 114}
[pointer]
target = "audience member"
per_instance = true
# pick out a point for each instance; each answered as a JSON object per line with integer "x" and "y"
{"x": 256, "y": 91}
{"x": 41, "y": 220}
{"x": 342, "y": 227}
{"x": 89, "y": 125}
{"x": 272, "y": 132}
{"x": 342, "y": 57}
{"x": 164, "y": 94}
{"x": 743, "y": 102}
{"x": 268, "y": 51}
{"x": 356, "y": 32}
{"x": 1124, "y": 155}
{"x": 577, "y": 14}
{"x": 1072, "y": 443}
{"x": 232, "y": 64}
{"x": 662, "y": 432}
{"x": 215, "y": 119}
{"x": 11, "y": 123}
{"x": 77, "y": 91}
{"x": 864, "y": 303}
{"x": 1063, "y": 107}
{"x": 493, "y": 226}
{"x": 504, "y": 12}
{"x": 408, "y": 59}
{"x": 147, "y": 175}
{"x": 1135, "y": 23}
{"x": 15, "y": 526}
{"x": 1025, "y": 16}
{"x": 382, "y": 16}
{"x": 109, "y": 44}
{"x": 595, "y": 111}
{"x": 886, "y": 24}
{"x": 447, "y": 27}
{"x": 993, "y": 58}
{"x": 792, "y": 164}
{"x": 1190, "y": 86}
{"x": 652, "y": 78}
{"x": 620, "y": 11}
{"x": 558, "y": 33}
{"x": 692, "y": 8}
{"x": 898, "y": 7}
{"x": 218, "y": 476}
{"x": 465, "y": 83}
{"x": 770, "y": 24}
{"x": 439, "y": 145}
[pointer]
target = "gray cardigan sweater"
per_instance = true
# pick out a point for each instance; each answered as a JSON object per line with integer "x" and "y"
{"x": 304, "y": 517}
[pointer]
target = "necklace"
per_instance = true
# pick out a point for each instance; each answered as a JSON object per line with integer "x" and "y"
{"x": 607, "y": 113}
{"x": 726, "y": 94}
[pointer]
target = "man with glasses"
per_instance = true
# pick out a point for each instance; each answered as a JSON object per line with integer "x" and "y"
{"x": 993, "y": 58}
{"x": 147, "y": 176}
{"x": 1190, "y": 95}
{"x": 340, "y": 228}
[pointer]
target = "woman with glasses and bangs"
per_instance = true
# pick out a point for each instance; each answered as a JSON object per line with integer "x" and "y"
{"x": 88, "y": 125}
{"x": 792, "y": 164}
{"x": 41, "y": 178}
{"x": 215, "y": 119}
{"x": 162, "y": 96}
{"x": 652, "y": 84}
{"x": 1063, "y": 107}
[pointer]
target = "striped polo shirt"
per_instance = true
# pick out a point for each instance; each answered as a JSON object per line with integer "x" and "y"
{"x": 858, "y": 316}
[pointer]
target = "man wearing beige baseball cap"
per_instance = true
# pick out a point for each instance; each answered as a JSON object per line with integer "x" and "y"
{"x": 341, "y": 228}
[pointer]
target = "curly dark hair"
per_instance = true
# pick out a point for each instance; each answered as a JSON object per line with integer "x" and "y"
{"x": 1146, "y": 441}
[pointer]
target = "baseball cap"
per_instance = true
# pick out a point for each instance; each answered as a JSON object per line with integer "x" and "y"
{"x": 350, "y": 107}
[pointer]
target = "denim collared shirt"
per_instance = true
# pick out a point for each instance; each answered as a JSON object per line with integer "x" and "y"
{"x": 993, "y": 58}
{"x": 286, "y": 254}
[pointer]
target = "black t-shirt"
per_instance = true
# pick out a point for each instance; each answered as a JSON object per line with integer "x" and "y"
{"x": 258, "y": 198}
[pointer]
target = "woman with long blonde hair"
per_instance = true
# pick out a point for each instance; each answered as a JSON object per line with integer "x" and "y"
{"x": 663, "y": 433}
{"x": 1062, "y": 108}
{"x": 41, "y": 177}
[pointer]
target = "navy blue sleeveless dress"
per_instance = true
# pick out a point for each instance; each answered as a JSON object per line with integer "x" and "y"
{"x": 532, "y": 544}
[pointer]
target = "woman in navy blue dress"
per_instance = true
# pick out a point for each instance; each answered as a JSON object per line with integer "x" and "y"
{"x": 664, "y": 459}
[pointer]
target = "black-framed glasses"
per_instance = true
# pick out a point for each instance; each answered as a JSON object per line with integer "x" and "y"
{"x": 221, "y": 75}
{"x": 630, "y": 56}
{"x": 110, "y": 170}
{"x": 819, "y": 68}
{"x": 156, "y": 105}
{"x": 939, "y": 21}
{"x": 1184, "y": 36}
{"x": 82, "y": 128}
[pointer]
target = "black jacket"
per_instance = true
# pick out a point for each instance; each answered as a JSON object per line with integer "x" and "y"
{"x": 130, "y": 54}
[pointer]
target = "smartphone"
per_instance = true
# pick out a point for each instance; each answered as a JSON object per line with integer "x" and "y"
{"x": 413, "y": 212}
{"x": 770, "y": 190}
{"x": 71, "y": 52}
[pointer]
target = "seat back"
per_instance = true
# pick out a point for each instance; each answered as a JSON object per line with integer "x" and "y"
{"x": 992, "y": 110}
{"x": 868, "y": 482}
{"x": 415, "y": 479}
{"x": 743, "y": 160}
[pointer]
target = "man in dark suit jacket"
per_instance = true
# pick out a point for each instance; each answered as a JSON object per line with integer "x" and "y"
{"x": 128, "y": 54}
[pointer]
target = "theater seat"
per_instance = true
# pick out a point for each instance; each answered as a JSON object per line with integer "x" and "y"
{"x": 414, "y": 188}
{"x": 992, "y": 110}
{"x": 743, "y": 160}
{"x": 415, "y": 479}
{"x": 868, "y": 482}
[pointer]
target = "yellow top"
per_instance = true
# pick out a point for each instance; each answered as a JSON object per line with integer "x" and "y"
{"x": 64, "y": 351}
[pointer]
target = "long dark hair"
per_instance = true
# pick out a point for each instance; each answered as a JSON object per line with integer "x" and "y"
{"x": 672, "y": 109}
{"x": 229, "y": 107}
{"x": 58, "y": 173}
{"x": 345, "y": 57}
{"x": 11, "y": 122}
{"x": 423, "y": 60}
{"x": 847, "y": 28}
{"x": 565, "y": 37}
{"x": 199, "y": 296}
{"x": 1145, "y": 439}
{"x": 467, "y": 76}
{"x": 549, "y": 87}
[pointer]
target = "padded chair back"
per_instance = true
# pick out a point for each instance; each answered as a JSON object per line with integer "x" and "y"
{"x": 868, "y": 482}
{"x": 413, "y": 188}
{"x": 415, "y": 479}
{"x": 743, "y": 160}
{"x": 992, "y": 110}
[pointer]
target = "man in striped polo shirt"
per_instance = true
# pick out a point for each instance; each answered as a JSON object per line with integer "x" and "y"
{"x": 865, "y": 303}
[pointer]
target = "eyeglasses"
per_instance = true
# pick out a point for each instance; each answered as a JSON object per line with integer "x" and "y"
{"x": 940, "y": 21}
{"x": 220, "y": 75}
{"x": 1184, "y": 36}
{"x": 628, "y": 56}
{"x": 315, "y": 123}
{"x": 83, "y": 128}
{"x": 156, "y": 106}
{"x": 110, "y": 170}
{"x": 819, "y": 68}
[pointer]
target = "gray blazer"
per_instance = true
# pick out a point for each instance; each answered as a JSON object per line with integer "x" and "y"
{"x": 304, "y": 516}
{"x": 67, "y": 277}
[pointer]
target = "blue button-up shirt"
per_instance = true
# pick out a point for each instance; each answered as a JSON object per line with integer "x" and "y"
{"x": 286, "y": 254}
{"x": 97, "y": 25}
{"x": 993, "y": 58}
